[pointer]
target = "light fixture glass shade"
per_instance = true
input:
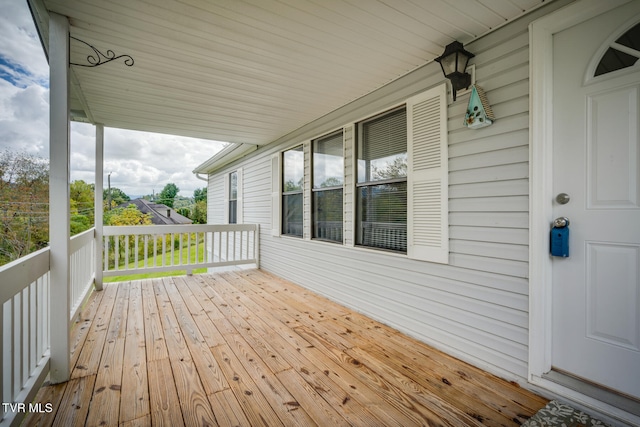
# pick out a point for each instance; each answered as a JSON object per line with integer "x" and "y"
{"x": 448, "y": 64}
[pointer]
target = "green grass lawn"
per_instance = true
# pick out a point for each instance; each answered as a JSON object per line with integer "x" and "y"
{"x": 157, "y": 260}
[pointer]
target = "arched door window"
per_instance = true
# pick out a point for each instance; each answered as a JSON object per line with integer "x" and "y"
{"x": 623, "y": 53}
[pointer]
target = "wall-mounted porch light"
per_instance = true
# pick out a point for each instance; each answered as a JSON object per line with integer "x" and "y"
{"x": 454, "y": 63}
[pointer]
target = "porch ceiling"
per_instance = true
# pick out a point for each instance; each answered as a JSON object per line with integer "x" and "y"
{"x": 251, "y": 71}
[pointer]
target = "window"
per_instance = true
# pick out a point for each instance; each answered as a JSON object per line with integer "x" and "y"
{"x": 328, "y": 180}
{"x": 396, "y": 189}
{"x": 233, "y": 198}
{"x": 623, "y": 53}
{"x": 292, "y": 191}
{"x": 382, "y": 181}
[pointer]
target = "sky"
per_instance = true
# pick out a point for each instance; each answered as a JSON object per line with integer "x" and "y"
{"x": 136, "y": 166}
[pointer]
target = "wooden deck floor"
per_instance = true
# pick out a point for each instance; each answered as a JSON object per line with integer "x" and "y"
{"x": 248, "y": 348}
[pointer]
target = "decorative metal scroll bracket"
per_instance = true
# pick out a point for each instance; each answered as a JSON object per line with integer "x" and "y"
{"x": 100, "y": 58}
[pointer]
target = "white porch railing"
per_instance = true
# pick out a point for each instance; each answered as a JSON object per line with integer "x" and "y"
{"x": 158, "y": 248}
{"x": 83, "y": 268}
{"x": 24, "y": 320}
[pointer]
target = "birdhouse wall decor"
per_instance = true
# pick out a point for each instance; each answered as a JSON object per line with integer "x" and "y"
{"x": 479, "y": 113}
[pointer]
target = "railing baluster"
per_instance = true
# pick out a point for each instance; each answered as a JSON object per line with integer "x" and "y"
{"x": 146, "y": 250}
{"x": 117, "y": 253}
{"x": 126, "y": 252}
{"x": 188, "y": 248}
{"x": 241, "y": 245}
{"x": 164, "y": 249}
{"x": 135, "y": 256}
{"x": 206, "y": 247}
{"x": 155, "y": 250}
{"x": 39, "y": 318}
{"x": 17, "y": 346}
{"x": 32, "y": 327}
{"x": 226, "y": 246}
{"x": 219, "y": 234}
{"x": 173, "y": 237}
{"x": 106, "y": 254}
{"x": 197, "y": 261}
{"x": 24, "y": 338}
{"x": 235, "y": 242}
{"x": 46, "y": 306}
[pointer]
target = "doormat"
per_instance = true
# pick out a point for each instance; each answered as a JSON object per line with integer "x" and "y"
{"x": 560, "y": 414}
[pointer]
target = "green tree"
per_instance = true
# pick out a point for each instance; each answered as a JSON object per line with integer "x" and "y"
{"x": 82, "y": 206}
{"x": 118, "y": 196}
{"x": 130, "y": 215}
{"x": 24, "y": 204}
{"x": 168, "y": 194}
{"x": 199, "y": 213}
{"x": 395, "y": 169}
{"x": 200, "y": 194}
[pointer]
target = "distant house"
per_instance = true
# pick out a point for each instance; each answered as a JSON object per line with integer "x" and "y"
{"x": 160, "y": 214}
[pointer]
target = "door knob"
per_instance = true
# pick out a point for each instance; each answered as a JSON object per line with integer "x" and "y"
{"x": 563, "y": 198}
{"x": 561, "y": 222}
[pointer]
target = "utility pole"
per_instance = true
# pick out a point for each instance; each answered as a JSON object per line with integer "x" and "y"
{"x": 109, "y": 190}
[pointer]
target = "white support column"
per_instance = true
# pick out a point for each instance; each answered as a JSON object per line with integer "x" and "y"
{"x": 59, "y": 209}
{"x": 99, "y": 202}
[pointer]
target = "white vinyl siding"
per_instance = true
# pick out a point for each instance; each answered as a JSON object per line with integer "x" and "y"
{"x": 227, "y": 198}
{"x": 215, "y": 191}
{"x": 276, "y": 192}
{"x": 239, "y": 198}
{"x": 476, "y": 306}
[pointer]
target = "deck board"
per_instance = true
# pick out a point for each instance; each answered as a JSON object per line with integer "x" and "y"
{"x": 249, "y": 348}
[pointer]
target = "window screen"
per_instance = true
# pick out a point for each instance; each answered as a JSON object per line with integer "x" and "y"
{"x": 233, "y": 197}
{"x": 382, "y": 182}
{"x": 382, "y": 150}
{"x": 328, "y": 178}
{"x": 292, "y": 194}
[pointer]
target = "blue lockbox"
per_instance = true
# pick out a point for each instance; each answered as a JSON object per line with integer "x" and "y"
{"x": 560, "y": 241}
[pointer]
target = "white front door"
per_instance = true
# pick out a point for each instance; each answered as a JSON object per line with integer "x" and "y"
{"x": 596, "y": 162}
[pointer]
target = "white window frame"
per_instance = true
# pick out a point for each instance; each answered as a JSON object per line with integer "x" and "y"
{"x": 313, "y": 190}
{"x": 227, "y": 196}
{"x": 280, "y": 197}
{"x": 373, "y": 183}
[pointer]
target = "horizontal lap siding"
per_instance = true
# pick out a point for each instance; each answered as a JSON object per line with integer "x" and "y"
{"x": 215, "y": 199}
{"x": 475, "y": 308}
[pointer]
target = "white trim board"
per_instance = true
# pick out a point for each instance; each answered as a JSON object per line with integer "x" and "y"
{"x": 541, "y": 34}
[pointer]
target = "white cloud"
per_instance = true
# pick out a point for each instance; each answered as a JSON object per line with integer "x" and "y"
{"x": 20, "y": 44}
{"x": 24, "y": 119}
{"x": 142, "y": 163}
{"x": 139, "y": 162}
